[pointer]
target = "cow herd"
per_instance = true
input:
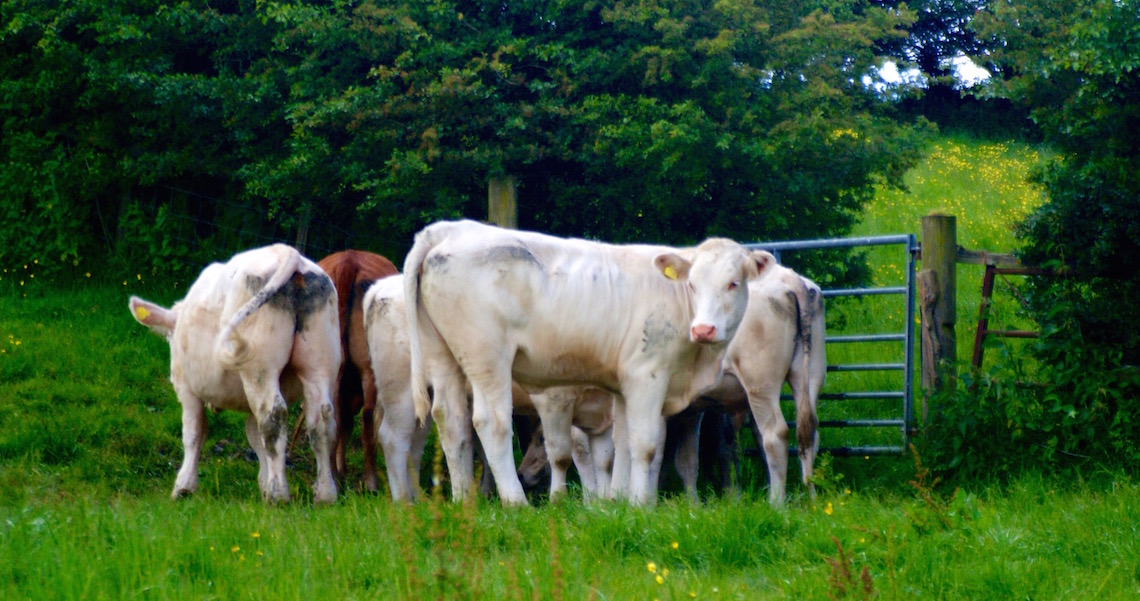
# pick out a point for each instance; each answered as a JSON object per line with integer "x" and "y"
{"x": 600, "y": 342}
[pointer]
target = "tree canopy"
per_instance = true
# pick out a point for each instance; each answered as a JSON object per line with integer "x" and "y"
{"x": 1077, "y": 70}
{"x": 658, "y": 120}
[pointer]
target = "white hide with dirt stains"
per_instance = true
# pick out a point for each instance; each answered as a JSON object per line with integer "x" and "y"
{"x": 251, "y": 334}
{"x": 486, "y": 305}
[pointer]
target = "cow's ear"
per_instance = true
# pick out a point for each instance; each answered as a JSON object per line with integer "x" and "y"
{"x": 159, "y": 319}
{"x": 759, "y": 261}
{"x": 672, "y": 266}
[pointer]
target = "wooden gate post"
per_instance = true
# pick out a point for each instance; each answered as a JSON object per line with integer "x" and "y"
{"x": 937, "y": 284}
{"x": 502, "y": 202}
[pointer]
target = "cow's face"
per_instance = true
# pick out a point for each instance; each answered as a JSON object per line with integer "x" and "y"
{"x": 717, "y": 274}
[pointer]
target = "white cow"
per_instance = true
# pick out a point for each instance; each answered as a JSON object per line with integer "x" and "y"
{"x": 486, "y": 304}
{"x": 781, "y": 339}
{"x": 250, "y": 334}
{"x": 401, "y": 436}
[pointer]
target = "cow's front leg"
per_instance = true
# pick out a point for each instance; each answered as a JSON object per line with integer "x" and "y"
{"x": 584, "y": 463}
{"x": 193, "y": 437}
{"x": 619, "y": 478}
{"x": 491, "y": 415}
{"x": 556, "y": 413}
{"x": 646, "y": 431}
{"x": 687, "y": 458}
{"x": 645, "y": 425}
{"x": 602, "y": 454}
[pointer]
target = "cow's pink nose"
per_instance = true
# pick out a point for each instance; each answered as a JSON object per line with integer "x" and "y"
{"x": 703, "y": 333}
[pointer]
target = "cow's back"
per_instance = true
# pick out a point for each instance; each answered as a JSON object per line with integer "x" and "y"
{"x": 573, "y": 310}
{"x": 303, "y": 306}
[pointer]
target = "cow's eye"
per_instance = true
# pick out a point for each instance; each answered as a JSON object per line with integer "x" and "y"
{"x": 733, "y": 285}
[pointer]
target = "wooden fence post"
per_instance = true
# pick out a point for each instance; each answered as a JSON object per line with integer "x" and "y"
{"x": 938, "y": 303}
{"x": 502, "y": 203}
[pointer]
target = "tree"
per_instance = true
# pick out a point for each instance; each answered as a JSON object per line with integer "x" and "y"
{"x": 1078, "y": 73}
{"x": 941, "y": 32}
{"x": 653, "y": 121}
{"x": 660, "y": 120}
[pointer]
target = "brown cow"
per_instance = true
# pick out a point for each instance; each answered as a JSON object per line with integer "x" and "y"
{"x": 352, "y": 272}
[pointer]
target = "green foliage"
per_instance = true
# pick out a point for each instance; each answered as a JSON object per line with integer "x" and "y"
{"x": 662, "y": 121}
{"x": 1064, "y": 403}
{"x": 1075, "y": 71}
{"x": 1071, "y": 411}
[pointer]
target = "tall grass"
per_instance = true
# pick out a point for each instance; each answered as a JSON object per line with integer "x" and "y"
{"x": 89, "y": 446}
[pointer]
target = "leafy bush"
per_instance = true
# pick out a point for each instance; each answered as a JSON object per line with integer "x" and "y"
{"x": 1072, "y": 409}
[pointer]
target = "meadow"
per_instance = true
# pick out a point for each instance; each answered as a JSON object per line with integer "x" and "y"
{"x": 90, "y": 442}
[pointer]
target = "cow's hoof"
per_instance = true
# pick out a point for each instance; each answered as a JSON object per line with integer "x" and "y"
{"x": 276, "y": 495}
{"x": 325, "y": 495}
{"x": 181, "y": 493}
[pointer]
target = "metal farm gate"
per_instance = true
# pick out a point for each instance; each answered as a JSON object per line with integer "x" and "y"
{"x": 887, "y": 413}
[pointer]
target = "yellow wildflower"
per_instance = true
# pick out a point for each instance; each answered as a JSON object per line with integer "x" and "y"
{"x": 235, "y": 549}
{"x": 660, "y": 580}
{"x": 828, "y": 509}
{"x": 675, "y": 544}
{"x": 652, "y": 567}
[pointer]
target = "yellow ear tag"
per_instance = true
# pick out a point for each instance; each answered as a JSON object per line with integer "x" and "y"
{"x": 142, "y": 313}
{"x": 670, "y": 272}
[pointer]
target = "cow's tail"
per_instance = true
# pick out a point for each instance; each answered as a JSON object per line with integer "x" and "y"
{"x": 233, "y": 348}
{"x": 413, "y": 271}
{"x": 809, "y": 302}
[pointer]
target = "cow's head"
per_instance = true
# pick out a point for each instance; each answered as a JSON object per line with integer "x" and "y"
{"x": 534, "y": 471}
{"x": 717, "y": 274}
{"x": 160, "y": 320}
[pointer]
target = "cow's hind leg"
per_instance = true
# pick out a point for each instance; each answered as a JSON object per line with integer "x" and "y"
{"x": 452, "y": 415}
{"x": 371, "y": 416}
{"x": 193, "y": 437}
{"x": 491, "y": 416}
{"x": 774, "y": 437}
{"x": 271, "y": 415}
{"x": 320, "y": 421}
{"x": 346, "y": 412}
{"x": 397, "y": 434}
{"x": 253, "y": 435}
{"x": 645, "y": 429}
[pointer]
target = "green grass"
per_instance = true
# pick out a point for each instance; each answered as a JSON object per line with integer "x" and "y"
{"x": 90, "y": 443}
{"x": 1029, "y": 541}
